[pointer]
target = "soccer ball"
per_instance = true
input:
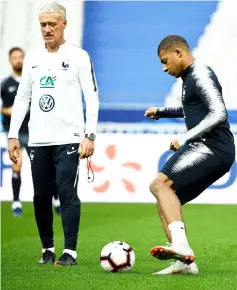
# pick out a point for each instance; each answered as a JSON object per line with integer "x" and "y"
{"x": 117, "y": 257}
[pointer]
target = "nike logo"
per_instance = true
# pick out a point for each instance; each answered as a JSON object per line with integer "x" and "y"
{"x": 35, "y": 66}
{"x": 194, "y": 144}
{"x": 70, "y": 152}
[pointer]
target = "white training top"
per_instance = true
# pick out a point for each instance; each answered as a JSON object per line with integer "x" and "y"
{"x": 51, "y": 85}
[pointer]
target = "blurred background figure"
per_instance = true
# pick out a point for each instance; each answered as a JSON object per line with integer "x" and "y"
{"x": 9, "y": 88}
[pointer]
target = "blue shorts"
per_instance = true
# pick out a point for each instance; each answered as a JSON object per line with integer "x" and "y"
{"x": 193, "y": 168}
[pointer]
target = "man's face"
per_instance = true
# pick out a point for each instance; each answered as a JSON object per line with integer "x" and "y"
{"x": 52, "y": 27}
{"x": 171, "y": 60}
{"x": 16, "y": 60}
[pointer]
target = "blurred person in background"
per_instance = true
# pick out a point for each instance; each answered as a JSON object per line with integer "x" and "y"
{"x": 54, "y": 75}
{"x": 203, "y": 155}
{"x": 9, "y": 88}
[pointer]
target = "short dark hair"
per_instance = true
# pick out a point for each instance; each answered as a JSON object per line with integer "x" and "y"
{"x": 171, "y": 41}
{"x": 15, "y": 49}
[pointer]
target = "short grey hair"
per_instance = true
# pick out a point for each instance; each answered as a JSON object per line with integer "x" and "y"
{"x": 54, "y": 7}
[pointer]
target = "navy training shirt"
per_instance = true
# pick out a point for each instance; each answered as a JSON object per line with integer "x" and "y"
{"x": 203, "y": 110}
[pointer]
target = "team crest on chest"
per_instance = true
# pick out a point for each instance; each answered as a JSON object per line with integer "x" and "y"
{"x": 65, "y": 65}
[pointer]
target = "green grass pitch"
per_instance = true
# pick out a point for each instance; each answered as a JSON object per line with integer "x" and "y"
{"x": 212, "y": 233}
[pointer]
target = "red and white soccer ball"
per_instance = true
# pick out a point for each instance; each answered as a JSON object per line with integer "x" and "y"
{"x": 117, "y": 257}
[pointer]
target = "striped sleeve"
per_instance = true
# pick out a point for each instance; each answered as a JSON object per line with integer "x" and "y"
{"x": 205, "y": 86}
{"x": 170, "y": 112}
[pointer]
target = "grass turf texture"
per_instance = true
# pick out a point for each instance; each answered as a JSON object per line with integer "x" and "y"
{"x": 211, "y": 229}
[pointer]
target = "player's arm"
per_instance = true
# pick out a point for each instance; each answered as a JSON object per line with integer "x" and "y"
{"x": 170, "y": 112}
{"x": 164, "y": 112}
{"x": 211, "y": 97}
{"x": 22, "y": 100}
{"x": 91, "y": 96}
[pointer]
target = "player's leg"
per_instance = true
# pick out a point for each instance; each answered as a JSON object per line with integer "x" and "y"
{"x": 171, "y": 207}
{"x": 16, "y": 177}
{"x": 66, "y": 162}
{"x": 16, "y": 185}
{"x": 177, "y": 267}
{"x": 43, "y": 176}
{"x": 23, "y": 139}
{"x": 176, "y": 172}
{"x": 187, "y": 193}
{"x": 191, "y": 170}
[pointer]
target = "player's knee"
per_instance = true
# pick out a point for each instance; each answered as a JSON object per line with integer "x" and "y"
{"x": 160, "y": 183}
{"x": 67, "y": 195}
{"x": 156, "y": 185}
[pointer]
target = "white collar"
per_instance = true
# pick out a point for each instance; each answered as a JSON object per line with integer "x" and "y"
{"x": 62, "y": 46}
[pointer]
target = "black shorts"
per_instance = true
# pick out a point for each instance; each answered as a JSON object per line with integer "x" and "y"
{"x": 193, "y": 168}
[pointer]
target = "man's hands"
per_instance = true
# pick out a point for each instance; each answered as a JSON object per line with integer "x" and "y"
{"x": 151, "y": 113}
{"x": 86, "y": 148}
{"x": 14, "y": 149}
{"x": 175, "y": 145}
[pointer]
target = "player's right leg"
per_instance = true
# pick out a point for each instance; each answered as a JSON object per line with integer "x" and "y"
{"x": 191, "y": 169}
{"x": 16, "y": 186}
{"x": 16, "y": 177}
{"x": 43, "y": 176}
{"x": 171, "y": 208}
{"x": 175, "y": 267}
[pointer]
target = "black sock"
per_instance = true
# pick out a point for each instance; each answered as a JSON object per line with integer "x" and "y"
{"x": 16, "y": 185}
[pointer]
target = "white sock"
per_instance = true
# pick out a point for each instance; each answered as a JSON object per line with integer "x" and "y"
{"x": 178, "y": 234}
{"x": 16, "y": 204}
{"x": 49, "y": 249}
{"x": 70, "y": 252}
{"x": 56, "y": 202}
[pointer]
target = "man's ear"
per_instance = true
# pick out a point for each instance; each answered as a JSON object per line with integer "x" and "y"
{"x": 178, "y": 52}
